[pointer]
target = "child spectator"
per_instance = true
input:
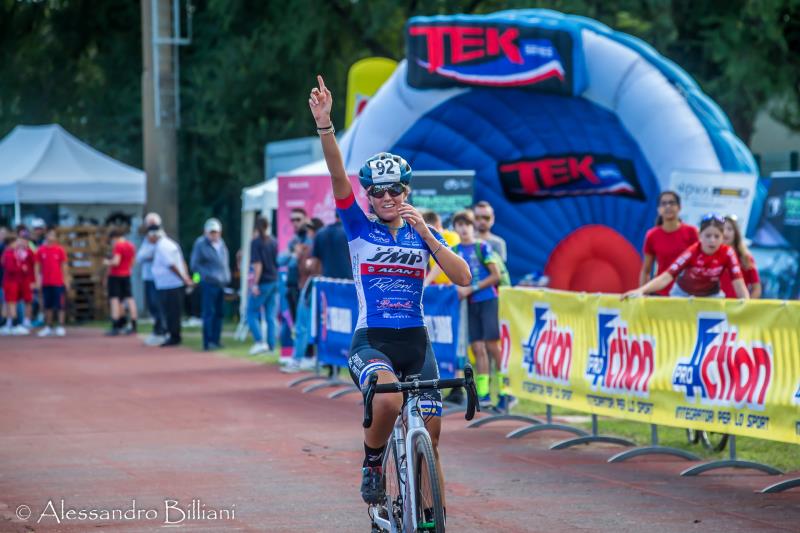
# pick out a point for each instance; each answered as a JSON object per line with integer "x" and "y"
{"x": 732, "y": 236}
{"x": 665, "y": 242}
{"x": 18, "y": 262}
{"x": 698, "y": 269}
{"x": 51, "y": 260}
{"x": 482, "y": 305}
{"x": 123, "y": 255}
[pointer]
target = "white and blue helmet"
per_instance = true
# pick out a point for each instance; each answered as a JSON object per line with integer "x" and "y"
{"x": 384, "y": 169}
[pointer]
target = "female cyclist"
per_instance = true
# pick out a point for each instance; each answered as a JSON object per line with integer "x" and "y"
{"x": 732, "y": 236}
{"x": 389, "y": 254}
{"x": 665, "y": 242}
{"x": 699, "y": 267}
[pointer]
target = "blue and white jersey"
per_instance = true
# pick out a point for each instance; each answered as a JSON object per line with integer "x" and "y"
{"x": 389, "y": 272}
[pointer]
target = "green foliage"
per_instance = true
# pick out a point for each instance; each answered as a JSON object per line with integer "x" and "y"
{"x": 246, "y": 75}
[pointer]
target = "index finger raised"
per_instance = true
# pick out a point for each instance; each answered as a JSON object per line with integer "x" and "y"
{"x": 321, "y": 83}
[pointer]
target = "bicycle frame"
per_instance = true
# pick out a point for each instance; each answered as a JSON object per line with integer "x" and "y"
{"x": 407, "y": 427}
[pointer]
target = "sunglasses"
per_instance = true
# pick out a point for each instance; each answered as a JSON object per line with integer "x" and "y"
{"x": 667, "y": 203}
{"x": 293, "y": 219}
{"x": 394, "y": 190}
{"x": 713, "y": 216}
{"x": 483, "y": 217}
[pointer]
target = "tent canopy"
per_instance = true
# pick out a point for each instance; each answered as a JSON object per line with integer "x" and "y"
{"x": 261, "y": 197}
{"x": 46, "y": 164}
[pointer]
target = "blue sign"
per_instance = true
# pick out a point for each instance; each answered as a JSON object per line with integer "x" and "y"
{"x": 337, "y": 313}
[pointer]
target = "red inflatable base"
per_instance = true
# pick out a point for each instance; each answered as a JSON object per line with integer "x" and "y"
{"x": 594, "y": 259}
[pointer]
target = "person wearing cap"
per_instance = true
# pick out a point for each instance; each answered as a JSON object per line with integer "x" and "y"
{"x": 171, "y": 277}
{"x": 38, "y": 232}
{"x": 211, "y": 261}
{"x": 144, "y": 256}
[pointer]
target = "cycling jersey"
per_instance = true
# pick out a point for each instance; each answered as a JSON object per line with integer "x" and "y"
{"x": 388, "y": 271}
{"x": 698, "y": 273}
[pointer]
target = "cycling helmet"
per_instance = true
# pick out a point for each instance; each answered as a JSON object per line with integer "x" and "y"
{"x": 384, "y": 168}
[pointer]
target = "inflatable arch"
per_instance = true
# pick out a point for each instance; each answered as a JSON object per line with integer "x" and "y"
{"x": 572, "y": 129}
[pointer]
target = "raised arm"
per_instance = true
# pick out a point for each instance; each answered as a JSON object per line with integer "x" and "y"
{"x": 320, "y": 101}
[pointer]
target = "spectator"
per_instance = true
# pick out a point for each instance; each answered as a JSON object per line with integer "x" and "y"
{"x": 38, "y": 232}
{"x": 170, "y": 276}
{"x": 211, "y": 261}
{"x": 482, "y": 306}
{"x": 24, "y": 235}
{"x": 3, "y": 312}
{"x": 484, "y": 220}
{"x": 18, "y": 261}
{"x": 120, "y": 296}
{"x": 264, "y": 262}
{"x": 732, "y": 236}
{"x": 145, "y": 258}
{"x": 330, "y": 248}
{"x": 667, "y": 240}
{"x": 299, "y": 220}
{"x": 309, "y": 266}
{"x": 51, "y": 260}
{"x": 438, "y": 277}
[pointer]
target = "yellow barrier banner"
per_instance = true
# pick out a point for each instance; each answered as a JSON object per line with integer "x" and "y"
{"x": 726, "y": 366}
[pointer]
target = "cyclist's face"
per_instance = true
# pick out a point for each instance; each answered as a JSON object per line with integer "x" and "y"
{"x": 386, "y": 207}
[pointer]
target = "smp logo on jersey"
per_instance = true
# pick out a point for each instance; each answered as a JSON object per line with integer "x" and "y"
{"x": 621, "y": 362}
{"x": 568, "y": 175}
{"x": 547, "y": 353}
{"x": 722, "y": 369}
{"x": 453, "y": 52}
{"x": 396, "y": 255}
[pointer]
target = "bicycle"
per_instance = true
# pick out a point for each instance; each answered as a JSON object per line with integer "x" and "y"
{"x": 413, "y": 493}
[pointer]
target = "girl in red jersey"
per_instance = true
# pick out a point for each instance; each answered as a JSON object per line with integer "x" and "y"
{"x": 665, "y": 242}
{"x": 698, "y": 269}
{"x": 732, "y": 236}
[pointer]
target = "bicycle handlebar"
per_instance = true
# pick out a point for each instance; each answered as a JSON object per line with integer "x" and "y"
{"x": 468, "y": 382}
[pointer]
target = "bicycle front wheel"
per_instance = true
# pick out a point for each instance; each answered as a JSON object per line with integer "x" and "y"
{"x": 392, "y": 472}
{"x": 429, "y": 514}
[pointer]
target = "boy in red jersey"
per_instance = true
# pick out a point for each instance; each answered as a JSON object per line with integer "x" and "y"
{"x": 123, "y": 254}
{"x": 18, "y": 262}
{"x": 51, "y": 260}
{"x": 698, "y": 269}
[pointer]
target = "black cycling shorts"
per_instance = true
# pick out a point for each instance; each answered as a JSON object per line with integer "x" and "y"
{"x": 404, "y": 352}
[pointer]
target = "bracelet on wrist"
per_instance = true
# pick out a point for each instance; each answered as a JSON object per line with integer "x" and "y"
{"x": 437, "y": 250}
{"x": 326, "y": 130}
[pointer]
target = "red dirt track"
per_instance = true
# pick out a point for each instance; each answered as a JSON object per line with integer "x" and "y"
{"x": 101, "y": 422}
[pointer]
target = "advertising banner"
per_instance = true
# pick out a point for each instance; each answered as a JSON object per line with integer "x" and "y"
{"x": 445, "y": 192}
{"x": 723, "y": 193}
{"x": 714, "y": 365}
{"x": 481, "y": 51}
{"x": 337, "y": 306}
{"x": 312, "y": 193}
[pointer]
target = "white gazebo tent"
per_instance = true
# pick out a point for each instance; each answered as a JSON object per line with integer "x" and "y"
{"x": 262, "y": 197}
{"x": 46, "y": 164}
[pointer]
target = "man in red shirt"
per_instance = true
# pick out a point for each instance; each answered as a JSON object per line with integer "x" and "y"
{"x": 18, "y": 262}
{"x": 123, "y": 255}
{"x": 51, "y": 260}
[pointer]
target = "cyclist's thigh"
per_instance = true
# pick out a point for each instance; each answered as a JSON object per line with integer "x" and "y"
{"x": 430, "y": 401}
{"x": 365, "y": 359}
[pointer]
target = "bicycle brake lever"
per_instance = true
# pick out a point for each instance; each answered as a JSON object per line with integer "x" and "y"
{"x": 472, "y": 393}
{"x": 368, "y": 395}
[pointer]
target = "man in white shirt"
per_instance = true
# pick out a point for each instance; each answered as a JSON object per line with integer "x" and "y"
{"x": 170, "y": 277}
{"x": 144, "y": 257}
